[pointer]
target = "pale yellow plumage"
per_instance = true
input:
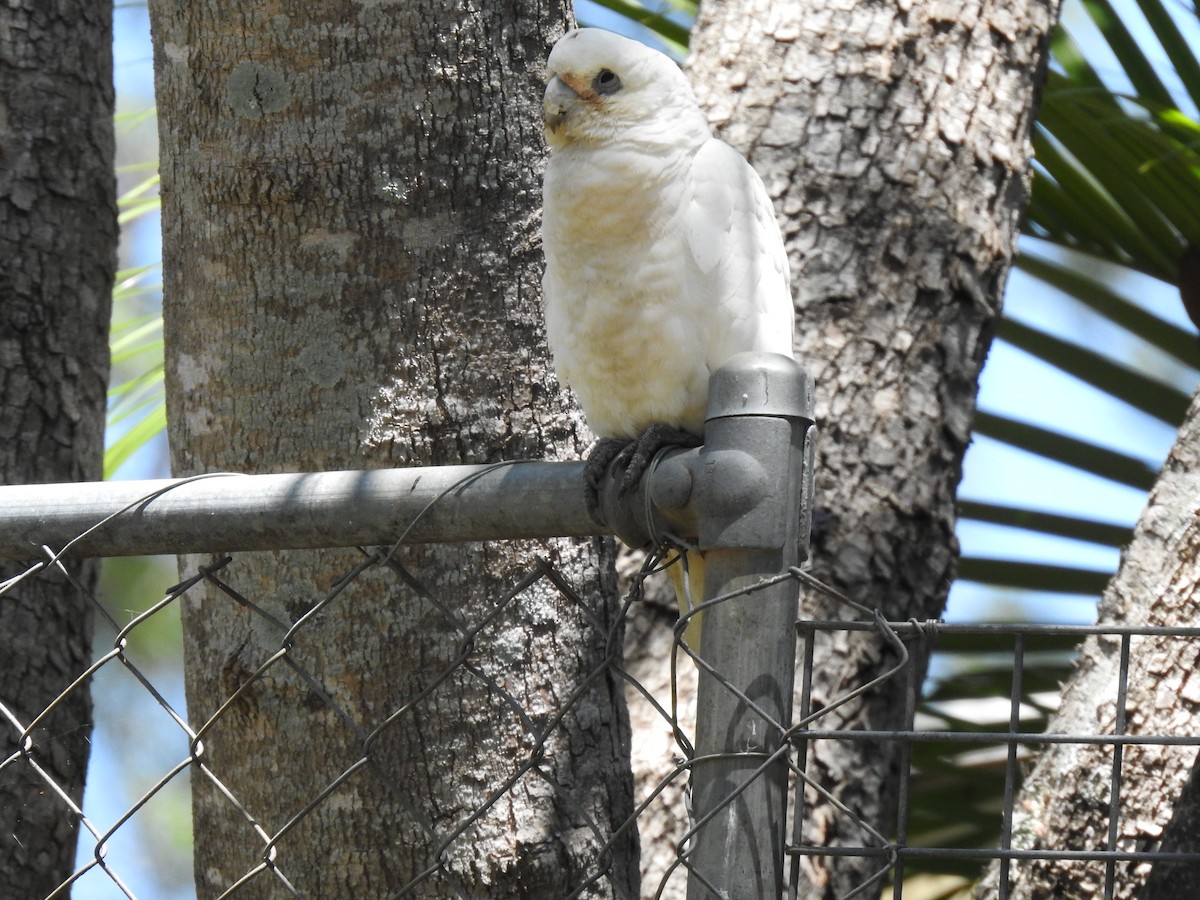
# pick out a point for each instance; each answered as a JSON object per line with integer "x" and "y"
{"x": 663, "y": 257}
{"x": 689, "y": 591}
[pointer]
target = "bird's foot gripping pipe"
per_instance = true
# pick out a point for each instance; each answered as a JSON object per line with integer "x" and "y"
{"x": 595, "y": 469}
{"x": 628, "y": 461}
{"x": 749, "y": 486}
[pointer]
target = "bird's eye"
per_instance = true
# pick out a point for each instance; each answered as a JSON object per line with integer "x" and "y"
{"x": 606, "y": 82}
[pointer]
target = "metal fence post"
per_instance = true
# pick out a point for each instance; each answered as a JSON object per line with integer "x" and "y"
{"x": 752, "y": 492}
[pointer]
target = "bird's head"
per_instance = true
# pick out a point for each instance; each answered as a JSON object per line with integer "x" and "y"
{"x": 602, "y": 87}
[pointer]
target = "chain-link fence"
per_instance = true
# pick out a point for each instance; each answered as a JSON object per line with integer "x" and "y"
{"x": 285, "y": 660}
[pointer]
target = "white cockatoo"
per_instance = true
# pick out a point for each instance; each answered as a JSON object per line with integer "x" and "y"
{"x": 663, "y": 256}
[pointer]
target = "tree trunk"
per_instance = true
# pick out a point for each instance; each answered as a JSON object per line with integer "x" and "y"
{"x": 1065, "y": 801}
{"x": 894, "y": 139}
{"x": 58, "y": 242}
{"x": 352, "y": 279}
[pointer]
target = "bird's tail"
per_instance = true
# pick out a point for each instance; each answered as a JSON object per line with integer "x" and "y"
{"x": 686, "y": 569}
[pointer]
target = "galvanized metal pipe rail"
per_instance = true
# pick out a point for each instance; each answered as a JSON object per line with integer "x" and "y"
{"x": 218, "y": 513}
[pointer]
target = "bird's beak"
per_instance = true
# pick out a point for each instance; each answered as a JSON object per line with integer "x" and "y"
{"x": 559, "y": 102}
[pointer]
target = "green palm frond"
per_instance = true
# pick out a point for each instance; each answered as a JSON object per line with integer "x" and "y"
{"x": 1078, "y": 453}
{"x": 1118, "y": 172}
{"x": 138, "y": 201}
{"x": 1116, "y": 188}
{"x": 1074, "y": 527}
{"x": 136, "y": 410}
{"x": 673, "y": 34}
{"x": 1072, "y": 278}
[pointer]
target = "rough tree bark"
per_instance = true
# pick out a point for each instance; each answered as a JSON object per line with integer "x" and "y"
{"x": 58, "y": 243}
{"x": 894, "y": 139}
{"x": 352, "y": 279}
{"x": 1065, "y": 800}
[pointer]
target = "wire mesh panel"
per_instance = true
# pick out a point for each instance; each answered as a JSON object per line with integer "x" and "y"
{"x": 966, "y": 748}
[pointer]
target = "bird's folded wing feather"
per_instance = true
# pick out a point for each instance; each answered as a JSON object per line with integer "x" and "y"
{"x": 738, "y": 264}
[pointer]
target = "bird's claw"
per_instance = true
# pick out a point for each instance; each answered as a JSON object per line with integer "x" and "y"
{"x": 637, "y": 456}
{"x": 633, "y": 458}
{"x": 595, "y": 468}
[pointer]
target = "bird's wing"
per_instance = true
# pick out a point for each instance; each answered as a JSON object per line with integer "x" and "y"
{"x": 738, "y": 266}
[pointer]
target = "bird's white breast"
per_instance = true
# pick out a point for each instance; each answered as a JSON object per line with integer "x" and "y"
{"x": 624, "y": 333}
